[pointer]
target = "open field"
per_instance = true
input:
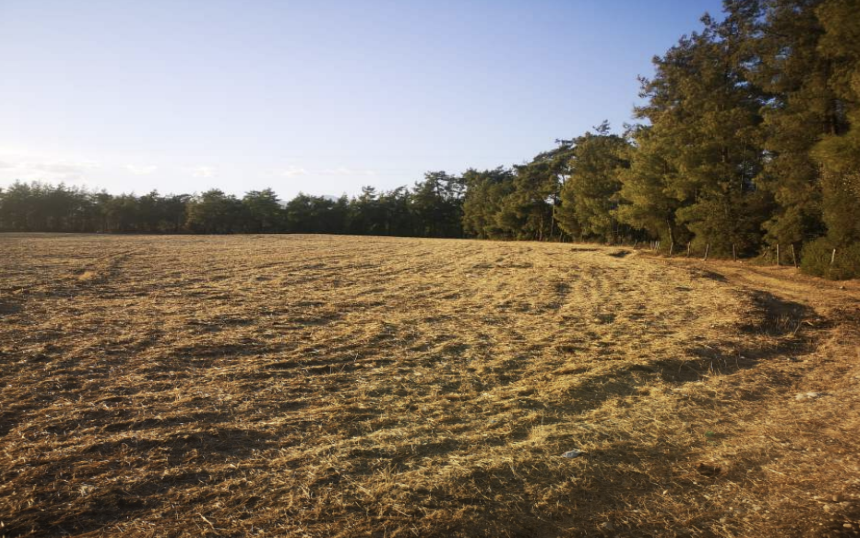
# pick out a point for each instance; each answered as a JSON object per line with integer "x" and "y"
{"x": 344, "y": 386}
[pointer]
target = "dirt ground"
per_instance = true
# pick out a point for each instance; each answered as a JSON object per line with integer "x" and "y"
{"x": 345, "y": 386}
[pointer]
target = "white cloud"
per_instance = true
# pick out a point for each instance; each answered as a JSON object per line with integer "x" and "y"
{"x": 203, "y": 171}
{"x": 30, "y": 169}
{"x": 346, "y": 171}
{"x": 141, "y": 170}
{"x": 290, "y": 171}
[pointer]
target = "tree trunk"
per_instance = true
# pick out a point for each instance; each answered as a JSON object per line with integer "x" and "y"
{"x": 777, "y": 255}
{"x": 707, "y": 250}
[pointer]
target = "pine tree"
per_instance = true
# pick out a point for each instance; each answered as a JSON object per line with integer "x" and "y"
{"x": 264, "y": 211}
{"x": 796, "y": 112}
{"x": 484, "y": 193}
{"x": 589, "y": 195}
{"x": 528, "y": 211}
{"x": 437, "y": 202}
{"x": 702, "y": 107}
{"x": 839, "y": 151}
{"x": 645, "y": 201}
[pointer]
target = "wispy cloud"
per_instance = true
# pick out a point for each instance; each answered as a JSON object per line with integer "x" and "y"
{"x": 290, "y": 171}
{"x": 203, "y": 171}
{"x": 346, "y": 171}
{"x": 293, "y": 171}
{"x": 141, "y": 170}
{"x": 30, "y": 169}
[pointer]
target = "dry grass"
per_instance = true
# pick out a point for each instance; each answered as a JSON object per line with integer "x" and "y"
{"x": 342, "y": 386}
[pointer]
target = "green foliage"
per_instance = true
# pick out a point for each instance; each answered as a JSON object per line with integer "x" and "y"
{"x": 263, "y": 211}
{"x": 215, "y": 212}
{"x": 817, "y": 256}
{"x": 839, "y": 152}
{"x": 39, "y": 207}
{"x": 795, "y": 116}
{"x": 482, "y": 202}
{"x": 437, "y": 203}
{"x": 646, "y": 201}
{"x": 313, "y": 214}
{"x": 701, "y": 105}
{"x": 526, "y": 212}
{"x": 434, "y": 209}
{"x": 810, "y": 54}
{"x": 589, "y": 196}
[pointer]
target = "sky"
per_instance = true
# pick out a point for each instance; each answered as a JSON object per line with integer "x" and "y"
{"x": 320, "y": 97}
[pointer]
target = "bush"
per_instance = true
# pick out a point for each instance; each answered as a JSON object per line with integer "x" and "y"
{"x": 816, "y": 256}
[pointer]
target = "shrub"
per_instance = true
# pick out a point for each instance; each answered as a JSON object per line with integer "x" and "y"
{"x": 816, "y": 256}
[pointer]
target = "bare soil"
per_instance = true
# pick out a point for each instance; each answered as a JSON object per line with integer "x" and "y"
{"x": 345, "y": 386}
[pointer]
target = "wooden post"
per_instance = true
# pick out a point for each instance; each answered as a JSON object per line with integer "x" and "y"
{"x": 777, "y": 255}
{"x": 707, "y": 250}
{"x": 833, "y": 257}
{"x": 793, "y": 256}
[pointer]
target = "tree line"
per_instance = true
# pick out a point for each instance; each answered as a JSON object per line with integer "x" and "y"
{"x": 747, "y": 144}
{"x": 432, "y": 208}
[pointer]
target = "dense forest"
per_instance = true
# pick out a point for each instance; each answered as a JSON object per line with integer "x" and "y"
{"x": 747, "y": 145}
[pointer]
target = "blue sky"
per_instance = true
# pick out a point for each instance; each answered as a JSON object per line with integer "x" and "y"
{"x": 320, "y": 97}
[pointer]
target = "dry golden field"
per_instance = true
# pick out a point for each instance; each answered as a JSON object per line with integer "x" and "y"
{"x": 344, "y": 386}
